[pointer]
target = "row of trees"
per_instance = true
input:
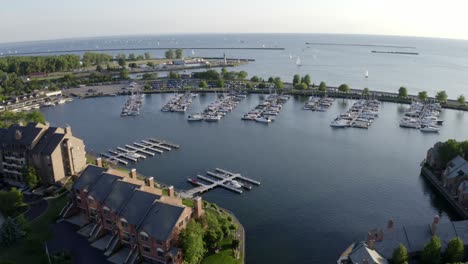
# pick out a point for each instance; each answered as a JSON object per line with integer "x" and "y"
{"x": 440, "y": 96}
{"x": 93, "y": 58}
{"x": 301, "y": 83}
{"x": 206, "y": 235}
{"x": 432, "y": 252}
{"x": 25, "y": 65}
{"x": 177, "y": 54}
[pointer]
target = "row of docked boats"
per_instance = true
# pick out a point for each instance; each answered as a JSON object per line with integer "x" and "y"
{"x": 424, "y": 117}
{"x": 360, "y": 115}
{"x": 179, "y": 103}
{"x": 132, "y": 105}
{"x": 267, "y": 110}
{"x": 320, "y": 104}
{"x": 216, "y": 110}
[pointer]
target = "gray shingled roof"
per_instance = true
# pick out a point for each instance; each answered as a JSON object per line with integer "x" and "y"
{"x": 161, "y": 220}
{"x": 54, "y": 142}
{"x": 103, "y": 186}
{"x": 88, "y": 177}
{"x": 120, "y": 193}
{"x": 456, "y": 165}
{"x": 28, "y": 134}
{"x": 44, "y": 140}
{"x": 137, "y": 206}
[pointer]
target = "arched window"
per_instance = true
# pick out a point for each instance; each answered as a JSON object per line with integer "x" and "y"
{"x": 90, "y": 198}
{"x": 78, "y": 199}
{"x": 160, "y": 252}
{"x": 144, "y": 236}
{"x": 106, "y": 210}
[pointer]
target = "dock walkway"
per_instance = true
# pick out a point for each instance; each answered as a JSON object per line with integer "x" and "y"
{"x": 219, "y": 178}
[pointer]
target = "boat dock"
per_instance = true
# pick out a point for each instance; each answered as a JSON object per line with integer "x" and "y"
{"x": 222, "y": 178}
{"x": 138, "y": 151}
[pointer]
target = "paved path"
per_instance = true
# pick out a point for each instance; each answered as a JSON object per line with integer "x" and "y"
{"x": 36, "y": 209}
{"x": 66, "y": 238}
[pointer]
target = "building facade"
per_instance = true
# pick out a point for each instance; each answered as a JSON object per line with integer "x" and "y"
{"x": 54, "y": 152}
{"x": 129, "y": 215}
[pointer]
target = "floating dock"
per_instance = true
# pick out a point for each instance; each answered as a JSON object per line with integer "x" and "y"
{"x": 221, "y": 178}
{"x": 138, "y": 151}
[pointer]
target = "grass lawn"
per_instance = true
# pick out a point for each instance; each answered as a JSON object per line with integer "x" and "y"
{"x": 225, "y": 256}
{"x": 26, "y": 252}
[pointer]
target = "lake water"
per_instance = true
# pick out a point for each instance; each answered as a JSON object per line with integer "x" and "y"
{"x": 322, "y": 188}
{"x": 442, "y": 64}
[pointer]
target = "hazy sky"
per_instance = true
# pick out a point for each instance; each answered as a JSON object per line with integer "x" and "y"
{"x": 50, "y": 19}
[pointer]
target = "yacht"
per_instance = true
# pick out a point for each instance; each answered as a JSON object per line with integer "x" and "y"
{"x": 212, "y": 118}
{"x": 233, "y": 183}
{"x": 263, "y": 119}
{"x": 340, "y": 123}
{"x": 430, "y": 128}
{"x": 409, "y": 123}
{"x": 195, "y": 117}
{"x": 47, "y": 104}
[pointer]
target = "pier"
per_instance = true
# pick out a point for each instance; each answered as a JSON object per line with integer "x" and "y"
{"x": 138, "y": 151}
{"x": 221, "y": 178}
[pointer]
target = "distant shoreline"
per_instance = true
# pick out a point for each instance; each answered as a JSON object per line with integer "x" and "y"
{"x": 359, "y": 45}
{"x": 396, "y": 52}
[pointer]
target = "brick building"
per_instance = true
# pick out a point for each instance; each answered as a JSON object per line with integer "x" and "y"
{"x": 124, "y": 216}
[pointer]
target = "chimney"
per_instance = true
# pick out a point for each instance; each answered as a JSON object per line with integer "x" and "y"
{"x": 435, "y": 222}
{"x": 170, "y": 191}
{"x": 99, "y": 162}
{"x": 68, "y": 130}
{"x": 371, "y": 244}
{"x": 132, "y": 173}
{"x": 198, "y": 207}
{"x": 390, "y": 224}
{"x": 150, "y": 182}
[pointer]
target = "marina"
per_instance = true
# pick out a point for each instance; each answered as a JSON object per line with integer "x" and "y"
{"x": 234, "y": 182}
{"x": 360, "y": 115}
{"x": 267, "y": 110}
{"x": 132, "y": 105}
{"x": 219, "y": 108}
{"x": 319, "y": 104}
{"x": 138, "y": 151}
{"x": 424, "y": 117}
{"x": 179, "y": 103}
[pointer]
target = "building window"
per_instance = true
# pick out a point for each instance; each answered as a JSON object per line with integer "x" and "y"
{"x": 146, "y": 249}
{"x": 123, "y": 222}
{"x": 78, "y": 200}
{"x": 181, "y": 223}
{"x": 160, "y": 252}
{"x": 144, "y": 236}
{"x": 126, "y": 236}
{"x": 77, "y": 191}
{"x": 108, "y": 221}
{"x": 106, "y": 211}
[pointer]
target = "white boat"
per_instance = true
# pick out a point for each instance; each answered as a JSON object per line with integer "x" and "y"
{"x": 263, "y": 119}
{"x": 195, "y": 117}
{"x": 340, "y": 123}
{"x": 212, "y": 118}
{"x": 430, "y": 128}
{"x": 409, "y": 123}
{"x": 233, "y": 183}
{"x": 298, "y": 61}
{"x": 193, "y": 52}
{"x": 367, "y": 74}
{"x": 61, "y": 101}
{"x": 47, "y": 104}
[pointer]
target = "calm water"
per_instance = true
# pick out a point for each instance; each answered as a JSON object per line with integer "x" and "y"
{"x": 321, "y": 188}
{"x": 441, "y": 65}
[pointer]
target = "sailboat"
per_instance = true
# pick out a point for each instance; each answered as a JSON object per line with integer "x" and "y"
{"x": 193, "y": 52}
{"x": 298, "y": 61}
{"x": 290, "y": 56}
{"x": 367, "y": 74}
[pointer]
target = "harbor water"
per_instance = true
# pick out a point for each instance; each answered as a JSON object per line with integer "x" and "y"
{"x": 322, "y": 188}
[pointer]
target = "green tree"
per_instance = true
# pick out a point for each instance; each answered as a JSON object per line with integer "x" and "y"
{"x": 30, "y": 177}
{"x": 402, "y": 92}
{"x": 140, "y": 57}
{"x": 124, "y": 74}
{"x": 169, "y": 54}
{"x": 296, "y": 79}
{"x": 400, "y": 255}
{"x": 174, "y": 75}
{"x": 147, "y": 56}
{"x": 366, "y": 92}
{"x": 455, "y": 251}
{"x": 191, "y": 239}
{"x": 271, "y": 79}
{"x": 203, "y": 84}
{"x": 10, "y": 201}
{"x": 122, "y": 62}
{"x": 449, "y": 150}
{"x": 441, "y": 96}
{"x": 344, "y": 88}
{"x": 307, "y": 79}
{"x": 220, "y": 83}
{"x": 242, "y": 75}
{"x": 179, "y": 54}
{"x": 255, "y": 79}
{"x": 224, "y": 72}
{"x": 147, "y": 87}
{"x": 99, "y": 68}
{"x": 248, "y": 85}
{"x": 133, "y": 65}
{"x": 10, "y": 232}
{"x": 431, "y": 252}
{"x": 461, "y": 99}
{"x": 422, "y": 96}
{"x": 150, "y": 76}
{"x": 300, "y": 86}
{"x": 322, "y": 87}
{"x": 278, "y": 83}
{"x": 132, "y": 57}
{"x": 150, "y": 64}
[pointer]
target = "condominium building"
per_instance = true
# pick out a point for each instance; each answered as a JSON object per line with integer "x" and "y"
{"x": 54, "y": 152}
